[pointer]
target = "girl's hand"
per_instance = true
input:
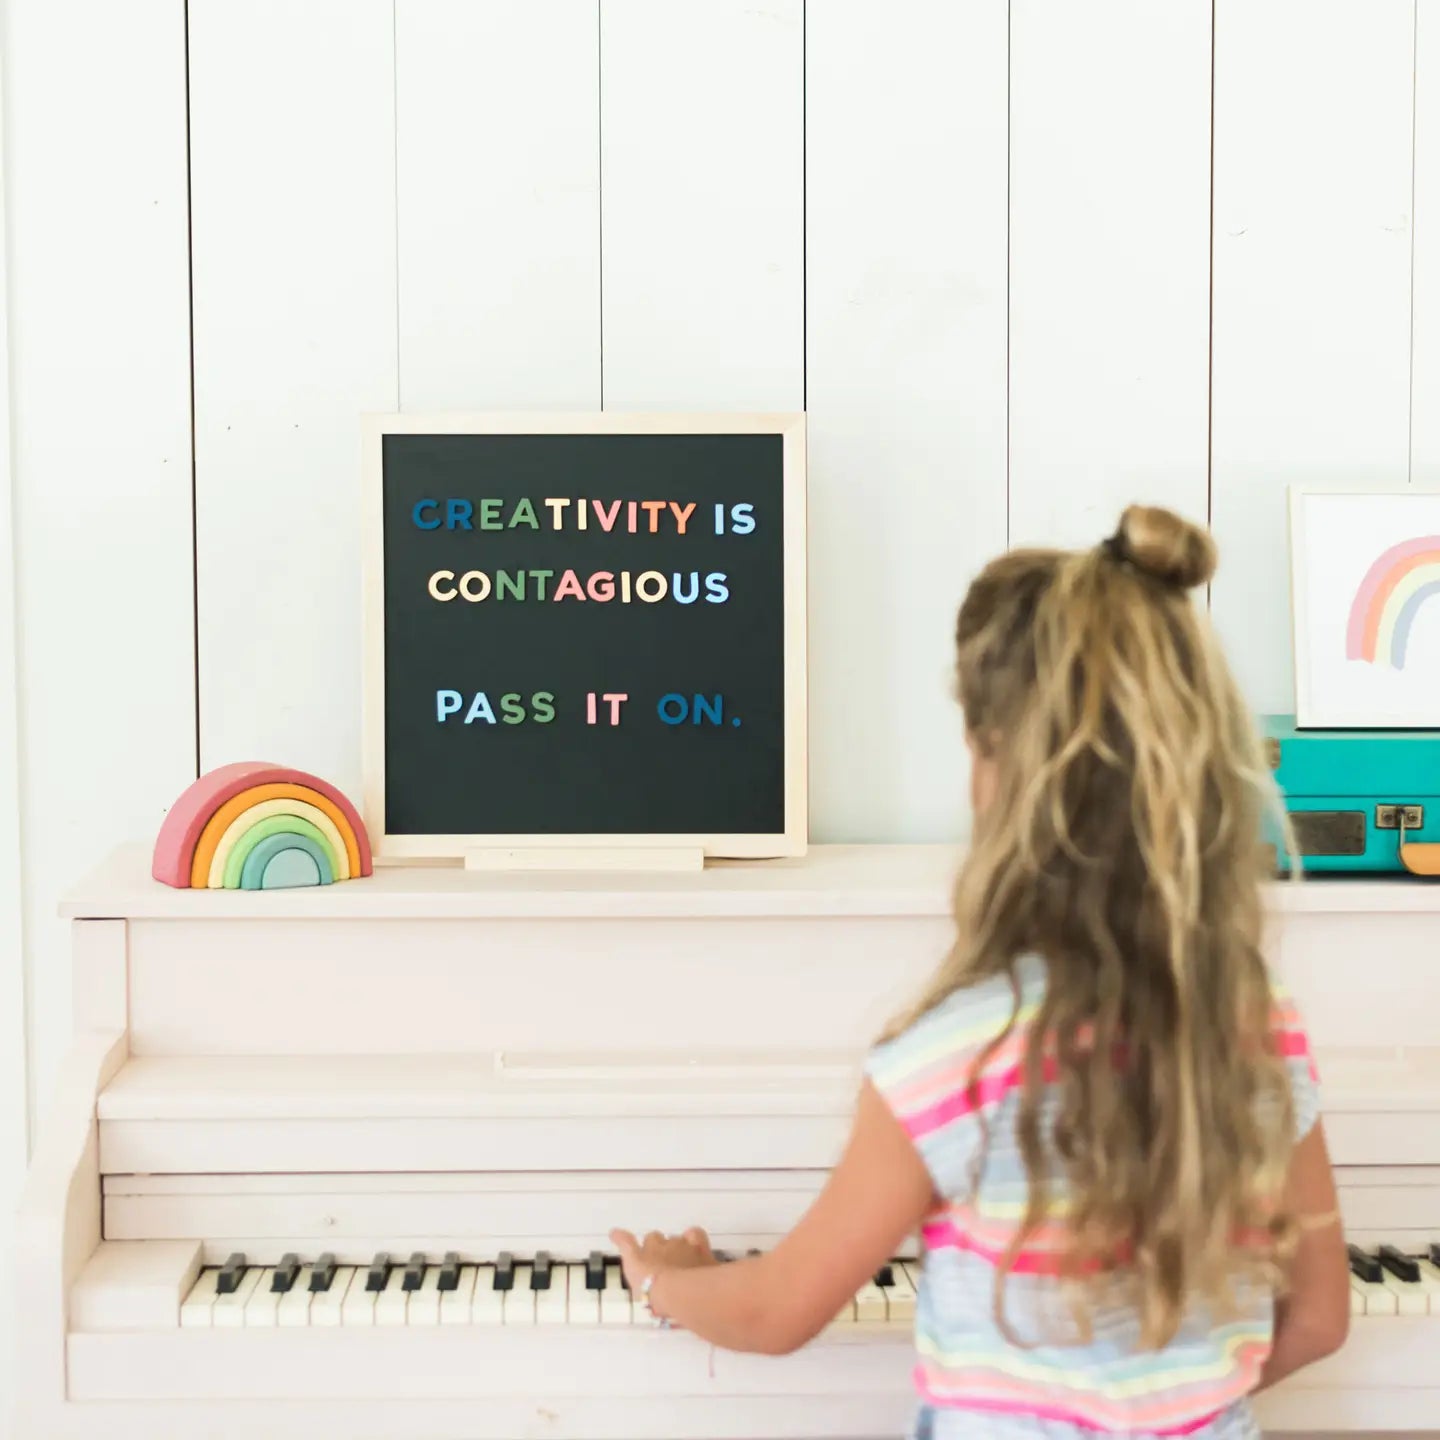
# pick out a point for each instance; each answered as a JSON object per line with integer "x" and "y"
{"x": 658, "y": 1252}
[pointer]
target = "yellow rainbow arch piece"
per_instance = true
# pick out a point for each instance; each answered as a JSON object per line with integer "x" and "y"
{"x": 255, "y": 826}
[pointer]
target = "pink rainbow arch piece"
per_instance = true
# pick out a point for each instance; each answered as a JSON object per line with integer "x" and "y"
{"x": 187, "y": 818}
{"x": 1365, "y": 631}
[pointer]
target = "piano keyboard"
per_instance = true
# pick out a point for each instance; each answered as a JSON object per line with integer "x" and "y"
{"x": 544, "y": 1291}
{"x": 1390, "y": 1282}
{"x": 506, "y": 1291}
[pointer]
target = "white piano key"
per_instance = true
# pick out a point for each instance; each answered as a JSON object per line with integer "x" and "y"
{"x": 294, "y": 1308}
{"x": 552, "y": 1306}
{"x": 1379, "y": 1300}
{"x": 615, "y": 1306}
{"x": 196, "y": 1306}
{"x": 1430, "y": 1280}
{"x": 262, "y": 1305}
{"x": 327, "y": 1308}
{"x": 584, "y": 1304}
{"x": 520, "y": 1302}
{"x": 228, "y": 1312}
{"x": 906, "y": 1291}
{"x": 425, "y": 1302}
{"x": 392, "y": 1303}
{"x": 359, "y": 1306}
{"x": 1410, "y": 1296}
{"x": 1357, "y": 1295}
{"x": 870, "y": 1306}
{"x": 489, "y": 1304}
{"x": 455, "y": 1304}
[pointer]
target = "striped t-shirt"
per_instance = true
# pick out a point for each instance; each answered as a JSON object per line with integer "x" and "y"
{"x": 971, "y": 1379}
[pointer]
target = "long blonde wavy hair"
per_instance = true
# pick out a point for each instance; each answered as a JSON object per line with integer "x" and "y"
{"x": 1123, "y": 844}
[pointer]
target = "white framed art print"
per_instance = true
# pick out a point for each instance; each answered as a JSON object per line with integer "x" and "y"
{"x": 1365, "y": 604}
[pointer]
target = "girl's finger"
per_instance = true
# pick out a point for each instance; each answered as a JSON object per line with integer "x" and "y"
{"x": 699, "y": 1239}
{"x": 625, "y": 1243}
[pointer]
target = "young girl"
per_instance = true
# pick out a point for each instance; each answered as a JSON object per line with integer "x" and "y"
{"x": 1101, "y": 1118}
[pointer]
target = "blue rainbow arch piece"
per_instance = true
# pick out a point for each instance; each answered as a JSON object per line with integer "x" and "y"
{"x": 1405, "y": 618}
{"x": 291, "y": 870}
{"x": 257, "y": 862}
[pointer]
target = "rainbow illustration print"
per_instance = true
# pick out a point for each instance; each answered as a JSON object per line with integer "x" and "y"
{"x": 1389, "y": 597}
{"x": 257, "y": 826}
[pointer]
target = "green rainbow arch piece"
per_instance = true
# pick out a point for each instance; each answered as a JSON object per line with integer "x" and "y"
{"x": 262, "y": 854}
{"x": 293, "y": 825}
{"x": 291, "y": 869}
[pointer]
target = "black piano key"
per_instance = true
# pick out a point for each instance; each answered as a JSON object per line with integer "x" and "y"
{"x": 540, "y": 1270}
{"x": 885, "y": 1277}
{"x": 414, "y": 1273}
{"x": 231, "y": 1274}
{"x": 378, "y": 1275}
{"x": 322, "y": 1277}
{"x": 595, "y": 1270}
{"x": 449, "y": 1272}
{"x": 1435, "y": 1252}
{"x": 1365, "y": 1267}
{"x": 504, "y": 1271}
{"x": 1400, "y": 1265}
{"x": 282, "y": 1282}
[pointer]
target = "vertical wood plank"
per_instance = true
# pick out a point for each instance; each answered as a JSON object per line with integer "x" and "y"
{"x": 295, "y": 337}
{"x": 1311, "y": 336}
{"x": 100, "y": 388}
{"x": 13, "y": 1084}
{"x": 14, "y": 1081}
{"x": 1425, "y": 373}
{"x": 1109, "y": 264}
{"x": 703, "y": 204}
{"x": 906, "y": 260}
{"x": 498, "y": 179}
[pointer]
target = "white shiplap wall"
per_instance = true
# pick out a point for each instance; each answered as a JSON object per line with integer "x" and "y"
{"x": 295, "y": 337}
{"x": 1109, "y": 263}
{"x": 905, "y": 373}
{"x": 1425, "y": 367}
{"x": 99, "y": 335}
{"x": 498, "y": 184}
{"x": 97, "y": 312}
{"x": 1311, "y": 335}
{"x": 975, "y": 241}
{"x": 14, "y": 1125}
{"x": 702, "y": 205}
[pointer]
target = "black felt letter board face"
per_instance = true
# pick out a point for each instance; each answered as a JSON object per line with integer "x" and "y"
{"x": 495, "y": 708}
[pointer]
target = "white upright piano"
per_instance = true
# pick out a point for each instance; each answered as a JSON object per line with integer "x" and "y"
{"x": 477, "y": 1076}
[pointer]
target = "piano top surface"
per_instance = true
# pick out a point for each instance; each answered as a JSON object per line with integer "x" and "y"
{"x": 832, "y": 880}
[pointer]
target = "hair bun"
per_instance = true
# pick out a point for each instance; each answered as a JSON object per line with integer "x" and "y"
{"x": 1164, "y": 545}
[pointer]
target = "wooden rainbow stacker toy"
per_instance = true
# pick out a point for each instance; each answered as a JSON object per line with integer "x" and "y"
{"x": 256, "y": 826}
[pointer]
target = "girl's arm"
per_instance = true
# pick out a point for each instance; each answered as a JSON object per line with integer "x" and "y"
{"x": 775, "y": 1303}
{"x": 1312, "y": 1318}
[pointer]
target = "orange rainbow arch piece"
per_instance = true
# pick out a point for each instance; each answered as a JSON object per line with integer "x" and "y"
{"x": 1392, "y": 592}
{"x": 257, "y": 826}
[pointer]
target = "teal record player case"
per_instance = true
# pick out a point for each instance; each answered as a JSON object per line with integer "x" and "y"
{"x": 1354, "y": 795}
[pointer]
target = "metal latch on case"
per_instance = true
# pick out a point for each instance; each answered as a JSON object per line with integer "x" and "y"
{"x": 1399, "y": 817}
{"x": 1418, "y": 857}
